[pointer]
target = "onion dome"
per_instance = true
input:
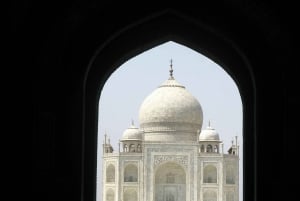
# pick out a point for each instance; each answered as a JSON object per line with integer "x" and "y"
{"x": 209, "y": 134}
{"x": 132, "y": 133}
{"x": 170, "y": 113}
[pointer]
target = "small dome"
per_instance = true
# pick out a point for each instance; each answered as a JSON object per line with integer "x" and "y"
{"x": 209, "y": 134}
{"x": 132, "y": 133}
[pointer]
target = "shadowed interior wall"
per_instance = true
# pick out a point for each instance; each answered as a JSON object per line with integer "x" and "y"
{"x": 70, "y": 49}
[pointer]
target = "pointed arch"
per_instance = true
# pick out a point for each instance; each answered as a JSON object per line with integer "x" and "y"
{"x": 131, "y": 173}
{"x": 202, "y": 148}
{"x": 209, "y": 148}
{"x": 139, "y": 148}
{"x": 210, "y": 174}
{"x": 125, "y": 148}
{"x": 230, "y": 176}
{"x": 110, "y": 173}
{"x": 181, "y": 29}
{"x": 170, "y": 182}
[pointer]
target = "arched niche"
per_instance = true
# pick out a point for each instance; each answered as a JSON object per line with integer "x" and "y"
{"x": 210, "y": 174}
{"x": 139, "y": 148}
{"x": 110, "y": 173}
{"x": 125, "y": 148}
{"x": 170, "y": 182}
{"x": 230, "y": 175}
{"x": 216, "y": 149}
{"x": 131, "y": 173}
{"x": 132, "y": 148}
{"x": 180, "y": 28}
{"x": 202, "y": 148}
{"x": 209, "y": 148}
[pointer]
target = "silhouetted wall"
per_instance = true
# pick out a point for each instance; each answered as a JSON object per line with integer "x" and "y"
{"x": 72, "y": 48}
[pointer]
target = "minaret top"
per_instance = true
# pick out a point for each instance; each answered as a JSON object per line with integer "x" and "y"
{"x": 105, "y": 136}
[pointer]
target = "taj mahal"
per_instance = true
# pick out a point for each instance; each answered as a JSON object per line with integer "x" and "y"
{"x": 170, "y": 157}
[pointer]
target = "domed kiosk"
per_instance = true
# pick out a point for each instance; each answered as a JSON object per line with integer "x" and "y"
{"x": 209, "y": 140}
{"x": 169, "y": 158}
{"x": 132, "y": 139}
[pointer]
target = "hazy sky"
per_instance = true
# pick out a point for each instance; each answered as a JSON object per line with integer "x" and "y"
{"x": 130, "y": 84}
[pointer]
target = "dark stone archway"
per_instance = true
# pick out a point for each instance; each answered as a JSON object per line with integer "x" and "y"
{"x": 70, "y": 49}
{"x": 184, "y": 30}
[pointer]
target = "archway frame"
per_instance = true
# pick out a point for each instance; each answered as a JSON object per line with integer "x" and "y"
{"x": 184, "y": 169}
{"x": 129, "y": 165}
{"x": 205, "y": 173}
{"x": 109, "y": 167}
{"x": 162, "y": 27}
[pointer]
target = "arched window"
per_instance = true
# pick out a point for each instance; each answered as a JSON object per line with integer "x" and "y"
{"x": 230, "y": 178}
{"x": 110, "y": 195}
{"x": 132, "y": 148}
{"x": 210, "y": 174}
{"x": 170, "y": 182}
{"x": 131, "y": 173}
{"x": 110, "y": 173}
{"x": 125, "y": 148}
{"x": 210, "y": 196}
{"x": 202, "y": 148}
{"x": 139, "y": 149}
{"x": 216, "y": 149}
{"x": 209, "y": 148}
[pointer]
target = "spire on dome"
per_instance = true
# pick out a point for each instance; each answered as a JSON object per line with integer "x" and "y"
{"x": 171, "y": 69}
{"x": 105, "y": 135}
{"x": 209, "y": 126}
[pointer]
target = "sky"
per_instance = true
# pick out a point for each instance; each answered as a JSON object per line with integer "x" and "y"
{"x": 125, "y": 90}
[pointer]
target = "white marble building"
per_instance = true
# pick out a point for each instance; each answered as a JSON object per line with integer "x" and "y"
{"x": 169, "y": 158}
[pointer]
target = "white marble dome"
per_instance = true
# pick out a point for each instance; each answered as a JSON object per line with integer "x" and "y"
{"x": 209, "y": 134}
{"x": 132, "y": 133}
{"x": 170, "y": 111}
